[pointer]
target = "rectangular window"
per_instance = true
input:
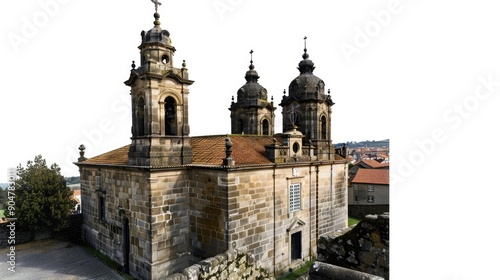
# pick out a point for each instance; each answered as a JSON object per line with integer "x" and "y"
{"x": 98, "y": 182}
{"x": 370, "y": 198}
{"x": 295, "y": 197}
{"x": 102, "y": 208}
{"x": 355, "y": 187}
{"x": 370, "y": 188}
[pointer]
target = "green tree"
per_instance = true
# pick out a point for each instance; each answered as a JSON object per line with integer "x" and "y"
{"x": 42, "y": 199}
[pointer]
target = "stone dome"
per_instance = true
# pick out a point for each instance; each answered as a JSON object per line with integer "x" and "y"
{"x": 156, "y": 34}
{"x": 307, "y": 85}
{"x": 252, "y": 90}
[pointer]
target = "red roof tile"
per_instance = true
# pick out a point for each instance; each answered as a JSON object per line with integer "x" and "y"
{"x": 247, "y": 149}
{"x": 209, "y": 150}
{"x": 373, "y": 163}
{"x": 372, "y": 176}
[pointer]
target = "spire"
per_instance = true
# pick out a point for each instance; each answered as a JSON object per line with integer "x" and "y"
{"x": 306, "y": 65}
{"x": 156, "y": 15}
{"x": 156, "y": 34}
{"x": 305, "y": 55}
{"x": 251, "y": 75}
{"x": 251, "y": 60}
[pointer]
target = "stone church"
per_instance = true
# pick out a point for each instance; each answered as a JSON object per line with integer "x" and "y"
{"x": 168, "y": 200}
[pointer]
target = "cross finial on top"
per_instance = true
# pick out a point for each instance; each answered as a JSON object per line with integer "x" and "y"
{"x": 305, "y": 55}
{"x": 157, "y": 3}
{"x": 251, "y": 60}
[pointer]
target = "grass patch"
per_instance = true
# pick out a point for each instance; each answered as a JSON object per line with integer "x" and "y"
{"x": 107, "y": 261}
{"x": 352, "y": 221}
{"x": 298, "y": 272}
{"x": 1, "y": 213}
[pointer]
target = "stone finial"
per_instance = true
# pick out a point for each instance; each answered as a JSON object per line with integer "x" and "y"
{"x": 228, "y": 161}
{"x": 82, "y": 153}
{"x": 133, "y": 64}
{"x": 229, "y": 147}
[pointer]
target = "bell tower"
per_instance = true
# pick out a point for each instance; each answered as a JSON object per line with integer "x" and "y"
{"x": 309, "y": 109}
{"x": 159, "y": 93}
{"x": 252, "y": 113}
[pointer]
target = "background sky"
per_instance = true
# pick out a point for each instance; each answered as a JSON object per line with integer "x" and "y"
{"x": 422, "y": 73}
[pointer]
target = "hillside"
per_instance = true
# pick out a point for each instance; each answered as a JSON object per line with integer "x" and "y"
{"x": 364, "y": 144}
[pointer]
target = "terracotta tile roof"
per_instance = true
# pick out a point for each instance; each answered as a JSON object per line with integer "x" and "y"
{"x": 384, "y": 155}
{"x": 247, "y": 149}
{"x": 372, "y": 176}
{"x": 209, "y": 150}
{"x": 372, "y": 163}
{"x": 114, "y": 157}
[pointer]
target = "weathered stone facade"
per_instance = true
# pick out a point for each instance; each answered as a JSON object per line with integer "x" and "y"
{"x": 178, "y": 217}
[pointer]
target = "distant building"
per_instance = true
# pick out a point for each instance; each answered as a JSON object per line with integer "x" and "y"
{"x": 77, "y": 197}
{"x": 369, "y": 192}
{"x": 169, "y": 200}
{"x": 366, "y": 163}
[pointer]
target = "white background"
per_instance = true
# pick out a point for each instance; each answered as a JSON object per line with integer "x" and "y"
{"x": 412, "y": 79}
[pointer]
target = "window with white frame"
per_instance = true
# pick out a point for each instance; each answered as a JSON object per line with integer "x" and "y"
{"x": 295, "y": 197}
{"x": 371, "y": 198}
{"x": 370, "y": 188}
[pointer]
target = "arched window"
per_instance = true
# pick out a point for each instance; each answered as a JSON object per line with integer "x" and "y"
{"x": 324, "y": 130}
{"x": 140, "y": 117}
{"x": 265, "y": 127}
{"x": 170, "y": 117}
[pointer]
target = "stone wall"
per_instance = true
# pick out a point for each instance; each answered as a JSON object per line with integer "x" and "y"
{"x": 364, "y": 247}
{"x": 260, "y": 220}
{"x": 208, "y": 213}
{"x": 231, "y": 265}
{"x": 324, "y": 271}
{"x": 360, "y": 211}
{"x": 179, "y": 216}
{"x": 71, "y": 233}
{"x": 20, "y": 236}
{"x": 127, "y": 197}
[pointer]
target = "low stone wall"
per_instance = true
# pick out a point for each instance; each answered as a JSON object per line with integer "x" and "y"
{"x": 11, "y": 235}
{"x": 71, "y": 233}
{"x": 231, "y": 265}
{"x": 360, "y": 211}
{"x": 324, "y": 271}
{"x": 364, "y": 247}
